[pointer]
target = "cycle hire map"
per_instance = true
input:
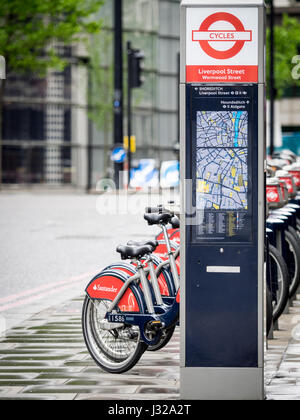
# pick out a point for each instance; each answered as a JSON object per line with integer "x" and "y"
{"x": 222, "y": 155}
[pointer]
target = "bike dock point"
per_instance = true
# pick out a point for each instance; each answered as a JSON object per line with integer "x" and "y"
{"x": 223, "y": 225}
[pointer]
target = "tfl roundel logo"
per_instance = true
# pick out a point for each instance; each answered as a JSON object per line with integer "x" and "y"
{"x": 236, "y": 38}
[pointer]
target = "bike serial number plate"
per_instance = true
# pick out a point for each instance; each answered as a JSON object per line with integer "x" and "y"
{"x": 116, "y": 318}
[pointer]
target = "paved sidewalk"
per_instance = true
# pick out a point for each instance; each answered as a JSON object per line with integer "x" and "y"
{"x": 282, "y": 359}
{"x": 46, "y": 358}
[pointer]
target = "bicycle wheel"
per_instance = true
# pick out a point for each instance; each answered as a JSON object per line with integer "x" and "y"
{"x": 280, "y": 279}
{"x": 298, "y": 226}
{"x": 294, "y": 262}
{"x": 115, "y": 351}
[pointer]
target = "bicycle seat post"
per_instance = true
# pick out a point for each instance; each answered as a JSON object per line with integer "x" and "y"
{"x": 154, "y": 282}
{"x": 171, "y": 257}
{"x": 167, "y": 239}
{"x": 145, "y": 285}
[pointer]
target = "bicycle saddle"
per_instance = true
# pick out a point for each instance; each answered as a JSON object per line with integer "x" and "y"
{"x": 128, "y": 252}
{"x": 151, "y": 242}
{"x": 175, "y": 222}
{"x": 156, "y": 219}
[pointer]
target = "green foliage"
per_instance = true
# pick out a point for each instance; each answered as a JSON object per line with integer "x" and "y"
{"x": 287, "y": 43}
{"x": 28, "y": 27}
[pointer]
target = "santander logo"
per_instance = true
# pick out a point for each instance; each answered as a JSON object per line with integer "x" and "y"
{"x": 272, "y": 195}
{"x": 99, "y": 288}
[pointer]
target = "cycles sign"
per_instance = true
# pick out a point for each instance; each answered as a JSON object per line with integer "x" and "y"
{"x": 222, "y": 46}
{"x": 239, "y": 35}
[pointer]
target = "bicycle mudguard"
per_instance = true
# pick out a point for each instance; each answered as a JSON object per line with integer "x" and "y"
{"x": 162, "y": 252}
{"x": 160, "y": 237}
{"x": 126, "y": 268}
{"x": 171, "y": 232}
{"x": 108, "y": 284}
{"x": 178, "y": 264}
{"x": 175, "y": 236}
{"x": 165, "y": 277}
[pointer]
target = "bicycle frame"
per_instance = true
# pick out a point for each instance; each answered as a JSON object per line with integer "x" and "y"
{"x": 164, "y": 314}
{"x": 168, "y": 317}
{"x": 141, "y": 276}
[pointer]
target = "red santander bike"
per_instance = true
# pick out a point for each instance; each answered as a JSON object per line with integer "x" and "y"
{"x": 127, "y": 310}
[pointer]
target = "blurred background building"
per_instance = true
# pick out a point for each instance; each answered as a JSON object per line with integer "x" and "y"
{"x": 58, "y": 130}
{"x": 52, "y": 132}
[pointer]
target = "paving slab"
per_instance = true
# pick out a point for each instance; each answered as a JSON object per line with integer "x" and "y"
{"x": 45, "y": 358}
{"x": 282, "y": 358}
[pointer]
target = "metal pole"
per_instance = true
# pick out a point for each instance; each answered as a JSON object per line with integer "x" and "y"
{"x": 272, "y": 79}
{"x": 118, "y": 80}
{"x": 178, "y": 97}
{"x": 90, "y": 144}
{"x": 2, "y": 86}
{"x": 129, "y": 55}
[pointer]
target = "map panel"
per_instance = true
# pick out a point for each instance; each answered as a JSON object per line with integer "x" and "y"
{"x": 222, "y": 160}
{"x": 222, "y": 179}
{"x": 223, "y": 133}
{"x": 222, "y": 129}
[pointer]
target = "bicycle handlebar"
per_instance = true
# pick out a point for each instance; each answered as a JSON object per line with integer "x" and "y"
{"x": 152, "y": 210}
{"x": 160, "y": 209}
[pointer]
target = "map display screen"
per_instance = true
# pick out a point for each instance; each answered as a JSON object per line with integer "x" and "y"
{"x": 222, "y": 173}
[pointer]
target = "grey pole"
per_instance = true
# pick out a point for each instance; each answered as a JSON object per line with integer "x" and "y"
{"x": 118, "y": 80}
{"x": 2, "y": 78}
{"x": 272, "y": 78}
{"x": 129, "y": 59}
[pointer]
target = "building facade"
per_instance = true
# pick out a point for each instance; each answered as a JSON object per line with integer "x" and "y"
{"x": 58, "y": 130}
{"x": 153, "y": 27}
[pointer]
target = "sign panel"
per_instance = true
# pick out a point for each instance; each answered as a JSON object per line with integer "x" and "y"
{"x": 170, "y": 174}
{"x": 223, "y": 198}
{"x": 118, "y": 154}
{"x": 222, "y": 172}
{"x": 222, "y": 45}
{"x": 145, "y": 175}
{"x": 222, "y": 241}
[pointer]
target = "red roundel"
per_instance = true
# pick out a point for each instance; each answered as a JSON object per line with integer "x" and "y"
{"x": 227, "y": 17}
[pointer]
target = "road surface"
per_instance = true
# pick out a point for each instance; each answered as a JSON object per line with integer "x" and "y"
{"x": 52, "y": 244}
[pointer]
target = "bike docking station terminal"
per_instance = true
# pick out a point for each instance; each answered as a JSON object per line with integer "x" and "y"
{"x": 223, "y": 129}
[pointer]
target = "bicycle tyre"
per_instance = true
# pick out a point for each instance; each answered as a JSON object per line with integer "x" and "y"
{"x": 284, "y": 282}
{"x": 294, "y": 272}
{"x": 96, "y": 350}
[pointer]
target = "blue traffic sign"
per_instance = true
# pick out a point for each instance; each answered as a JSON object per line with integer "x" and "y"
{"x": 118, "y": 155}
